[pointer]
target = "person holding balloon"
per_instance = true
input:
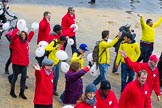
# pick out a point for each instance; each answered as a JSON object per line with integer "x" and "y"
{"x": 79, "y": 54}
{"x": 74, "y": 85}
{"x": 20, "y": 60}
{"x": 53, "y": 47}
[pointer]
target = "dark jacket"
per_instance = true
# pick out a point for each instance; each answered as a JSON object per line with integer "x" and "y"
{"x": 74, "y": 87}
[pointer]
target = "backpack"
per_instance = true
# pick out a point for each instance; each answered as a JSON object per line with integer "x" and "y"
{"x": 48, "y": 52}
{"x": 95, "y": 53}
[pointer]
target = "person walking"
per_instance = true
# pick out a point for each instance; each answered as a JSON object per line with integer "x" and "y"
{"x": 43, "y": 96}
{"x": 68, "y": 20}
{"x": 151, "y": 69}
{"x": 44, "y": 28}
{"x": 148, "y": 37}
{"x": 136, "y": 94}
{"x": 104, "y": 55}
{"x": 131, "y": 47}
{"x": 53, "y": 47}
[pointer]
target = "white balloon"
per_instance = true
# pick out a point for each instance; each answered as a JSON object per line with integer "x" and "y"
{"x": 61, "y": 55}
{"x": 35, "y": 25}
{"x": 93, "y": 70}
{"x": 89, "y": 57}
{"x": 40, "y": 51}
{"x": 6, "y": 26}
{"x": 64, "y": 67}
{"x": 26, "y": 29}
{"x": 68, "y": 106}
{"x": 70, "y": 41}
{"x": 42, "y": 44}
{"x": 1, "y": 11}
{"x": 109, "y": 40}
{"x": 21, "y": 24}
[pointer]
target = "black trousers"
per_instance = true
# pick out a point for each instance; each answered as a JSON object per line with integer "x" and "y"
{"x": 43, "y": 106}
{"x": 73, "y": 47}
{"x": 160, "y": 69}
{"x": 9, "y": 60}
{"x": 17, "y": 69}
{"x": 3, "y": 18}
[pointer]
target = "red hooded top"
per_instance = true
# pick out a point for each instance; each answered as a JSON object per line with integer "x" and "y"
{"x": 20, "y": 50}
{"x": 135, "y": 96}
{"x": 44, "y": 30}
{"x": 110, "y": 101}
{"x": 67, "y": 21}
{"x": 152, "y": 78}
{"x": 44, "y": 87}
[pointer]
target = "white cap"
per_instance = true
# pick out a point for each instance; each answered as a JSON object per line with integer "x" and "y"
{"x": 127, "y": 24}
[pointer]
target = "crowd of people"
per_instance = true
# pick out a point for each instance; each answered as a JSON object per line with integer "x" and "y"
{"x": 134, "y": 58}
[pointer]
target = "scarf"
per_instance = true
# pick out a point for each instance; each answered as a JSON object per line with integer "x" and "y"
{"x": 91, "y": 102}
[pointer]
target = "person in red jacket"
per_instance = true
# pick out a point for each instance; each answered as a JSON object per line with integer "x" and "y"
{"x": 67, "y": 21}
{"x": 105, "y": 96}
{"x": 136, "y": 94}
{"x": 44, "y": 28}
{"x": 151, "y": 69}
{"x": 88, "y": 99}
{"x": 43, "y": 97}
{"x": 20, "y": 60}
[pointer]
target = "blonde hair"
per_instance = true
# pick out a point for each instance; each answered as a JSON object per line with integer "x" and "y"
{"x": 82, "y": 98}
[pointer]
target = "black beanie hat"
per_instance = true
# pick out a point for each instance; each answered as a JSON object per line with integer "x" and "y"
{"x": 57, "y": 27}
{"x": 62, "y": 38}
{"x": 105, "y": 85}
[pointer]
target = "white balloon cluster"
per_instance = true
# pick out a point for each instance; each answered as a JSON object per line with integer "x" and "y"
{"x": 22, "y": 25}
{"x": 40, "y": 51}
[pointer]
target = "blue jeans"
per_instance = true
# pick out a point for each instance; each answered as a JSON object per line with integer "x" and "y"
{"x": 103, "y": 73}
{"x": 146, "y": 51}
{"x": 56, "y": 75}
{"x": 126, "y": 71}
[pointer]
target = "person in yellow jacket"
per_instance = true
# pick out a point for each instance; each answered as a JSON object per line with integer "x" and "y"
{"x": 148, "y": 37}
{"x": 104, "y": 55}
{"x": 53, "y": 47}
{"x": 79, "y": 54}
{"x": 131, "y": 47}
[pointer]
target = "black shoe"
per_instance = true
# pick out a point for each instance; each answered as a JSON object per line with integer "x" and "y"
{"x": 56, "y": 93}
{"x": 12, "y": 93}
{"x": 27, "y": 77}
{"x": 91, "y": 2}
{"x": 22, "y": 95}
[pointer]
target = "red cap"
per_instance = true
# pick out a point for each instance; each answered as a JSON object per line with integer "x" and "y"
{"x": 153, "y": 58}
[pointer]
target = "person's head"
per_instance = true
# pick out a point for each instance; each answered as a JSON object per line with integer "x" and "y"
{"x": 83, "y": 48}
{"x": 47, "y": 15}
{"x": 71, "y": 10}
{"x": 75, "y": 66}
{"x": 127, "y": 25}
{"x": 105, "y": 86}
{"x": 128, "y": 37}
{"x": 105, "y": 35}
{"x": 62, "y": 40}
{"x": 4, "y": 2}
{"x": 57, "y": 29}
{"x": 90, "y": 91}
{"x": 47, "y": 64}
{"x": 23, "y": 36}
{"x": 149, "y": 22}
{"x": 153, "y": 60}
{"x": 141, "y": 77}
